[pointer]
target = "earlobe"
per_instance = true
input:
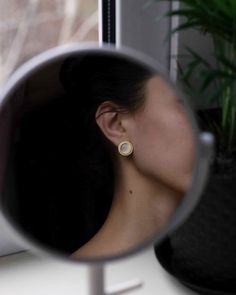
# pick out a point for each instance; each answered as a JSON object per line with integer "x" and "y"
{"x": 109, "y": 121}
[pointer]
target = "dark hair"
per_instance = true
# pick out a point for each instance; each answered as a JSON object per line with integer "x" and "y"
{"x": 95, "y": 78}
{"x": 74, "y": 164}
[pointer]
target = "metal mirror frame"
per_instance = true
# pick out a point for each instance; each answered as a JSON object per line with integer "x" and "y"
{"x": 203, "y": 143}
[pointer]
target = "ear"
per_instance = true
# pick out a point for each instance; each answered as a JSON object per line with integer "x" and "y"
{"x": 110, "y": 122}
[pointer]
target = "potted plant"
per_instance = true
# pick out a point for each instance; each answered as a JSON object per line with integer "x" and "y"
{"x": 202, "y": 253}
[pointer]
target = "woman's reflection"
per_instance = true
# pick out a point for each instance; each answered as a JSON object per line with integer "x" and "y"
{"x": 139, "y": 138}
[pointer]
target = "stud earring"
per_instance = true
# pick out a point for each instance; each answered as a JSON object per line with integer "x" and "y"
{"x": 125, "y": 148}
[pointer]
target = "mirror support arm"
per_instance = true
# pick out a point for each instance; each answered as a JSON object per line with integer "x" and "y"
{"x": 96, "y": 280}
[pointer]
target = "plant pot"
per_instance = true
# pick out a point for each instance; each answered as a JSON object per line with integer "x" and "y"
{"x": 202, "y": 253}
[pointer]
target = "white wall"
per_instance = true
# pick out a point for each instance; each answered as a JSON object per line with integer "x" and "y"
{"x": 138, "y": 27}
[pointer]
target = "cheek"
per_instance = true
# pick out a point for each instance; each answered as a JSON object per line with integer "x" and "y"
{"x": 148, "y": 147}
{"x": 164, "y": 150}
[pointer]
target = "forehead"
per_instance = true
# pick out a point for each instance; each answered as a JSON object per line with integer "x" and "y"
{"x": 160, "y": 89}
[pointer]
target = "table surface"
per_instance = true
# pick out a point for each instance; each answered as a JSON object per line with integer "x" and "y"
{"x": 25, "y": 273}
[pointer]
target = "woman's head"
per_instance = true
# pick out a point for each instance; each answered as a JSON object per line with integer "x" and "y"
{"x": 99, "y": 84}
{"x": 125, "y": 100}
{"x": 90, "y": 81}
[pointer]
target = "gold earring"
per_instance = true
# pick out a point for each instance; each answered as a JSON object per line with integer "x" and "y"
{"x": 125, "y": 148}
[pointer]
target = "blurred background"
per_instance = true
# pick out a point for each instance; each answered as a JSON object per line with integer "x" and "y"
{"x": 28, "y": 27}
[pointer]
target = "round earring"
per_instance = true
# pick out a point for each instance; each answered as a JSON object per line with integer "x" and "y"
{"x": 125, "y": 148}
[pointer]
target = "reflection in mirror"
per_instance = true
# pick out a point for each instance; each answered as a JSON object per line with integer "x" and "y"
{"x": 98, "y": 155}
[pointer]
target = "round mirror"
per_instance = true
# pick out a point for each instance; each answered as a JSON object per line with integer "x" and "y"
{"x": 98, "y": 153}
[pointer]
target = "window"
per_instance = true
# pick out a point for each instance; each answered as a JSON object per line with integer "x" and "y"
{"x": 28, "y": 27}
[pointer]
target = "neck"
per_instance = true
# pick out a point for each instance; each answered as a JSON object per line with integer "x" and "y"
{"x": 141, "y": 207}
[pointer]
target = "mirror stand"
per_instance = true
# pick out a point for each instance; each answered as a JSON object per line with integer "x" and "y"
{"x": 97, "y": 286}
{"x": 96, "y": 279}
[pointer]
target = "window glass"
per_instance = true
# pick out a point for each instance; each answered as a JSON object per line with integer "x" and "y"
{"x": 28, "y": 27}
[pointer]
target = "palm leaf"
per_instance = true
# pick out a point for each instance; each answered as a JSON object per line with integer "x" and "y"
{"x": 214, "y": 16}
{"x": 227, "y": 63}
{"x": 218, "y": 18}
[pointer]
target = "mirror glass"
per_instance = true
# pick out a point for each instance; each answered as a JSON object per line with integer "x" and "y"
{"x": 96, "y": 154}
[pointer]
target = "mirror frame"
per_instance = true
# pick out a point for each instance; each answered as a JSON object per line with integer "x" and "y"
{"x": 203, "y": 143}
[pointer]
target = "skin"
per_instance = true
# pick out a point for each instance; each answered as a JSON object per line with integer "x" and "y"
{"x": 150, "y": 183}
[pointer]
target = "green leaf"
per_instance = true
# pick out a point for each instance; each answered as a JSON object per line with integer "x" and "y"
{"x": 229, "y": 64}
{"x": 190, "y": 68}
{"x": 181, "y": 12}
{"x": 211, "y": 75}
{"x": 185, "y": 26}
{"x": 195, "y": 55}
{"x": 214, "y": 16}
